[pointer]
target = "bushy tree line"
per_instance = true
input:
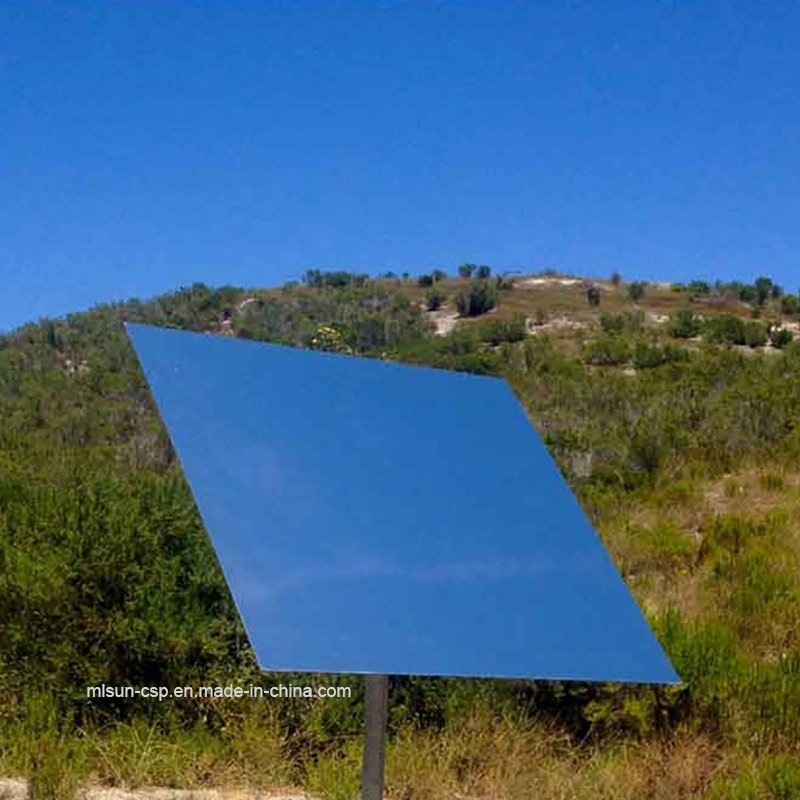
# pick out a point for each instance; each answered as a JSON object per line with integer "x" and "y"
{"x": 728, "y": 329}
{"x": 320, "y": 279}
{"x": 758, "y": 292}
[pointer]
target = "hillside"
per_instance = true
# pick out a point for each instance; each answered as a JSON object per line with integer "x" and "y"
{"x": 674, "y": 412}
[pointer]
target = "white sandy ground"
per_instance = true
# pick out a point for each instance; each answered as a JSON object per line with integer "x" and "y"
{"x": 558, "y": 323}
{"x": 18, "y": 790}
{"x": 444, "y": 320}
{"x": 530, "y": 283}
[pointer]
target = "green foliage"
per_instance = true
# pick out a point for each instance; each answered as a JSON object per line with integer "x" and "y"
{"x": 616, "y": 278}
{"x": 780, "y": 337}
{"x": 782, "y": 778}
{"x": 755, "y": 334}
{"x": 647, "y": 356}
{"x": 434, "y": 299}
{"x": 369, "y": 318}
{"x": 460, "y": 350}
{"x": 498, "y": 331}
{"x": 726, "y": 329}
{"x": 636, "y": 291}
{"x": 114, "y": 567}
{"x": 341, "y": 279}
{"x": 790, "y": 305}
{"x": 336, "y": 774}
{"x": 774, "y": 778}
{"x": 626, "y": 322}
{"x": 607, "y": 351}
{"x": 331, "y": 338}
{"x": 685, "y": 324}
{"x": 467, "y": 270}
{"x": 698, "y": 287}
{"x": 478, "y": 298}
{"x": 483, "y": 272}
{"x": 425, "y": 280}
{"x": 758, "y": 292}
{"x": 763, "y": 289}
{"x": 661, "y": 547}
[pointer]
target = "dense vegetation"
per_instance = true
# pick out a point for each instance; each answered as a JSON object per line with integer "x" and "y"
{"x": 675, "y": 415}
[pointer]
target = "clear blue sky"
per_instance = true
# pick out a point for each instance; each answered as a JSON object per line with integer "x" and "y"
{"x": 147, "y": 145}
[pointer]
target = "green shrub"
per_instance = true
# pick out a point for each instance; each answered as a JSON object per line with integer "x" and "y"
{"x": 726, "y": 329}
{"x": 685, "y": 324}
{"x": 778, "y": 778}
{"x": 498, "y": 331}
{"x": 626, "y": 322}
{"x": 782, "y": 779}
{"x": 425, "y": 280}
{"x": 698, "y": 287}
{"x": 780, "y": 337}
{"x": 647, "y": 356}
{"x": 607, "y": 351}
{"x": 335, "y": 775}
{"x": 467, "y": 270}
{"x": 763, "y": 289}
{"x": 478, "y": 298}
{"x": 755, "y": 334}
{"x": 660, "y": 547}
{"x": 339, "y": 279}
{"x": 434, "y": 299}
{"x": 773, "y": 482}
{"x": 636, "y": 291}
{"x": 790, "y": 305}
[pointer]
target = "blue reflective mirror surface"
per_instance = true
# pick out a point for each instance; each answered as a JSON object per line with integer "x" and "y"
{"x": 376, "y": 517}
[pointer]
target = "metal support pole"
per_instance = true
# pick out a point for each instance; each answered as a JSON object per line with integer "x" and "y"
{"x": 376, "y": 702}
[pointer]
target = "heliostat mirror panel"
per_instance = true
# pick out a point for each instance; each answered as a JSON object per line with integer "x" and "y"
{"x": 376, "y": 517}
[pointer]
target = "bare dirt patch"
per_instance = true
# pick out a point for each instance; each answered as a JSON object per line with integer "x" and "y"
{"x": 556, "y": 324}
{"x": 443, "y": 319}
{"x": 532, "y": 283}
{"x": 11, "y": 789}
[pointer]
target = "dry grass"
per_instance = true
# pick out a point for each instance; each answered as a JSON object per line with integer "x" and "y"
{"x": 138, "y": 754}
{"x": 482, "y": 756}
{"x": 657, "y": 544}
{"x": 487, "y": 758}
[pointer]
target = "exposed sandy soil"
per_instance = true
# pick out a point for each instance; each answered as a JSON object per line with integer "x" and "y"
{"x": 559, "y": 323}
{"x": 532, "y": 283}
{"x": 444, "y": 320}
{"x": 18, "y": 790}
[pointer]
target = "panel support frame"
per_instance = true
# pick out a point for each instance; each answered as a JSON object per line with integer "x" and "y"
{"x": 376, "y": 714}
